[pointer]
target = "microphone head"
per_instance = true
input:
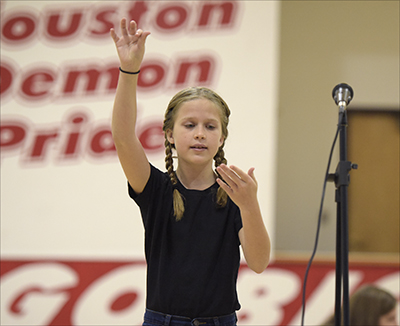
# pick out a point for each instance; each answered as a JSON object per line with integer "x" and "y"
{"x": 342, "y": 92}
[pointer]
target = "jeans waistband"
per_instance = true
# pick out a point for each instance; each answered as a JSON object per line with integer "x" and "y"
{"x": 171, "y": 320}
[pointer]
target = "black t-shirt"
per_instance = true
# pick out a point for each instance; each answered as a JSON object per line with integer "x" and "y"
{"x": 192, "y": 264}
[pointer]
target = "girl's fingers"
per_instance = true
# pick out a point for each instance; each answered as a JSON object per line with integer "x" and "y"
{"x": 234, "y": 173}
{"x": 235, "y": 177}
{"x": 114, "y": 35}
{"x": 130, "y": 33}
{"x": 124, "y": 31}
{"x": 142, "y": 38}
{"x": 228, "y": 175}
{"x": 241, "y": 174}
{"x": 132, "y": 27}
{"x": 251, "y": 174}
{"x": 249, "y": 177}
{"x": 224, "y": 186}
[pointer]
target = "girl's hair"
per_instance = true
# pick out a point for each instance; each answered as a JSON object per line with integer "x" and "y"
{"x": 367, "y": 305}
{"x": 189, "y": 94}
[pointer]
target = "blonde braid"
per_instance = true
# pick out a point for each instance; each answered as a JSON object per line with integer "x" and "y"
{"x": 179, "y": 206}
{"x": 169, "y": 162}
{"x": 219, "y": 158}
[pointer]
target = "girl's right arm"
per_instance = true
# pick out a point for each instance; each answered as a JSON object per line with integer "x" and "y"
{"x": 130, "y": 47}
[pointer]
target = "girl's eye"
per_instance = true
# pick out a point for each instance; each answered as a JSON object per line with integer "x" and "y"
{"x": 189, "y": 125}
{"x": 211, "y": 127}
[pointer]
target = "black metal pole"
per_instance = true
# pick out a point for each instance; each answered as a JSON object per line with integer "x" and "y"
{"x": 342, "y": 180}
{"x": 338, "y": 276}
{"x": 343, "y": 190}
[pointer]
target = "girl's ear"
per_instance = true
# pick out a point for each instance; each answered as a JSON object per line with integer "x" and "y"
{"x": 221, "y": 141}
{"x": 170, "y": 136}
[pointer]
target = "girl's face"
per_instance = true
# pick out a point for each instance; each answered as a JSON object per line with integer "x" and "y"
{"x": 197, "y": 132}
{"x": 389, "y": 319}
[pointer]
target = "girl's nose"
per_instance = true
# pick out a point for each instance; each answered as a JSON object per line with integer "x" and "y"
{"x": 199, "y": 133}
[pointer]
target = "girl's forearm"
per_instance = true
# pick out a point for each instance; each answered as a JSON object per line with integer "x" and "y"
{"x": 125, "y": 108}
{"x": 256, "y": 242}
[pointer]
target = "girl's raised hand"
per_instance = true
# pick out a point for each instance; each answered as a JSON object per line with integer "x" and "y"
{"x": 130, "y": 45}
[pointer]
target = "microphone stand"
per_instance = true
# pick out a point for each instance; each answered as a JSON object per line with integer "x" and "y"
{"x": 342, "y": 179}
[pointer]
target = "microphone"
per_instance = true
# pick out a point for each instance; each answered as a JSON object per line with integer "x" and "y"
{"x": 342, "y": 94}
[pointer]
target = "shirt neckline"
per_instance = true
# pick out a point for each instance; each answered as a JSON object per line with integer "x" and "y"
{"x": 214, "y": 185}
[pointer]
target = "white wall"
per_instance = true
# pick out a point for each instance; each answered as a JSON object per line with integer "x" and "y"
{"x": 78, "y": 202}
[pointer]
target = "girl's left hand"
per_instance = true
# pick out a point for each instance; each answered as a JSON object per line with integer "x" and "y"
{"x": 240, "y": 187}
{"x": 254, "y": 238}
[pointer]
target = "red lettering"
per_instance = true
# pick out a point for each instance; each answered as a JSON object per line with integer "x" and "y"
{"x": 124, "y": 301}
{"x": 40, "y": 145}
{"x": 76, "y": 124}
{"x": 172, "y": 17}
{"x": 6, "y": 74}
{"x": 203, "y": 67}
{"x": 152, "y": 137}
{"x": 63, "y": 24}
{"x": 38, "y": 84}
{"x": 102, "y": 142}
{"x": 12, "y": 135}
{"x": 71, "y": 138}
{"x": 57, "y": 26}
{"x": 227, "y": 11}
{"x": 151, "y": 75}
{"x": 44, "y": 83}
{"x": 90, "y": 79}
{"x": 72, "y": 78}
{"x": 104, "y": 23}
{"x": 18, "y": 28}
{"x": 137, "y": 11}
{"x": 267, "y": 298}
{"x": 16, "y": 306}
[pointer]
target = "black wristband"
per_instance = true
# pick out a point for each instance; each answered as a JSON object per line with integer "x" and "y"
{"x": 128, "y": 72}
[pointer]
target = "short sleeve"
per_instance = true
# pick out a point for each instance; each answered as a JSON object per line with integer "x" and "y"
{"x": 155, "y": 198}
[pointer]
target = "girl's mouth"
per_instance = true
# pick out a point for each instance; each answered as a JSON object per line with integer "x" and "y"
{"x": 198, "y": 147}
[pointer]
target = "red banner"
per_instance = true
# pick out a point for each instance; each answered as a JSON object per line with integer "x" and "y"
{"x": 50, "y": 292}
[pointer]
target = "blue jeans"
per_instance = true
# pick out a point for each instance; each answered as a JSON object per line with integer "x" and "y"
{"x": 153, "y": 318}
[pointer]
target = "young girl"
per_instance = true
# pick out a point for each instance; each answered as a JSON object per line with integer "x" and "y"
{"x": 195, "y": 218}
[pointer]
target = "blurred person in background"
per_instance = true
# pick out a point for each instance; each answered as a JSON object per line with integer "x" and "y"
{"x": 371, "y": 306}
